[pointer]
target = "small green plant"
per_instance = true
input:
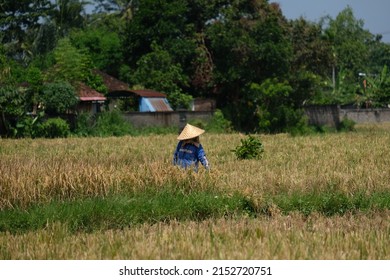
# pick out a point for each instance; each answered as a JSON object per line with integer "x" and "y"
{"x": 346, "y": 125}
{"x": 250, "y": 148}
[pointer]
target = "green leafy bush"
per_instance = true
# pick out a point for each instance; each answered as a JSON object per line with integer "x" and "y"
{"x": 59, "y": 97}
{"x": 302, "y": 127}
{"x": 54, "y": 128}
{"x": 85, "y": 123}
{"x": 179, "y": 100}
{"x": 111, "y": 124}
{"x": 12, "y": 104}
{"x": 346, "y": 125}
{"x": 218, "y": 123}
{"x": 250, "y": 148}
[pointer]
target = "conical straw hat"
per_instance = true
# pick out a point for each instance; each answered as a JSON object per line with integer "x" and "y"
{"x": 189, "y": 132}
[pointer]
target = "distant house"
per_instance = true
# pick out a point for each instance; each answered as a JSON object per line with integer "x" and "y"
{"x": 152, "y": 101}
{"x": 90, "y": 100}
{"x": 121, "y": 96}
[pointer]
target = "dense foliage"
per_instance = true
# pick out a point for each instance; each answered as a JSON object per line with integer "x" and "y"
{"x": 260, "y": 67}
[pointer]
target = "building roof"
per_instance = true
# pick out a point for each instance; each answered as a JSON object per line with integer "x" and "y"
{"x": 86, "y": 93}
{"x": 148, "y": 93}
{"x": 160, "y": 104}
{"x": 117, "y": 88}
{"x": 112, "y": 84}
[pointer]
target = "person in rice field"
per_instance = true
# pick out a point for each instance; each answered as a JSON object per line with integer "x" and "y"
{"x": 189, "y": 152}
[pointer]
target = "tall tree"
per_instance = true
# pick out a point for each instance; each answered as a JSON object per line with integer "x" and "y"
{"x": 163, "y": 22}
{"x": 71, "y": 65}
{"x": 249, "y": 44}
{"x": 312, "y": 51}
{"x": 157, "y": 70}
{"x": 45, "y": 40}
{"x": 350, "y": 41}
{"x": 68, "y": 14}
{"x": 312, "y": 61}
{"x": 379, "y": 55}
{"x": 103, "y": 46}
{"x": 124, "y": 8}
{"x": 19, "y": 22}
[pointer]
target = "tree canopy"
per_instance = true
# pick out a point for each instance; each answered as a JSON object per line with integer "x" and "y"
{"x": 260, "y": 67}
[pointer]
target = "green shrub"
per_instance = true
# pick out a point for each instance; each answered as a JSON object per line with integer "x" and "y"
{"x": 301, "y": 127}
{"x": 250, "y": 148}
{"x": 218, "y": 123}
{"x": 59, "y": 97}
{"x": 112, "y": 124}
{"x": 54, "y": 128}
{"x": 29, "y": 126}
{"x": 346, "y": 125}
{"x": 84, "y": 125}
{"x": 179, "y": 100}
{"x": 199, "y": 123}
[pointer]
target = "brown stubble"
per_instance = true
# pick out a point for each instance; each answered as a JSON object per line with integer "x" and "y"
{"x": 279, "y": 237}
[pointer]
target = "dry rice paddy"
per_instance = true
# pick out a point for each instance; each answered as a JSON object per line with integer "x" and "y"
{"x": 35, "y": 172}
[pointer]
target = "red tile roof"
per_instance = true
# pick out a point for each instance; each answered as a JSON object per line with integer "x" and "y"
{"x": 115, "y": 85}
{"x": 112, "y": 83}
{"x": 86, "y": 93}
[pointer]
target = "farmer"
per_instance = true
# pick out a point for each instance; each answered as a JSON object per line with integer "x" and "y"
{"x": 189, "y": 152}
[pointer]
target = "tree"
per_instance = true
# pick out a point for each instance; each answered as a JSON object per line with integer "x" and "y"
{"x": 270, "y": 101}
{"x": 249, "y": 43}
{"x": 5, "y": 69}
{"x": 162, "y": 22}
{"x": 124, "y": 8}
{"x": 35, "y": 80}
{"x": 11, "y": 110}
{"x": 156, "y": 70}
{"x": 349, "y": 41}
{"x": 311, "y": 51}
{"x": 336, "y": 91}
{"x": 68, "y": 14}
{"x": 19, "y": 22}
{"x": 312, "y": 61}
{"x": 379, "y": 56}
{"x": 376, "y": 90}
{"x": 45, "y": 40}
{"x": 58, "y": 97}
{"x": 103, "y": 47}
{"x": 71, "y": 64}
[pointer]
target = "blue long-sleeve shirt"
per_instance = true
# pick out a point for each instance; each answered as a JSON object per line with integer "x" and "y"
{"x": 189, "y": 154}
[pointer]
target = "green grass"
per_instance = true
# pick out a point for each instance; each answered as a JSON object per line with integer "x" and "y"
{"x": 123, "y": 211}
{"x": 328, "y": 203}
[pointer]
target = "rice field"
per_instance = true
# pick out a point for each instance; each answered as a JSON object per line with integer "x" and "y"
{"x": 284, "y": 188}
